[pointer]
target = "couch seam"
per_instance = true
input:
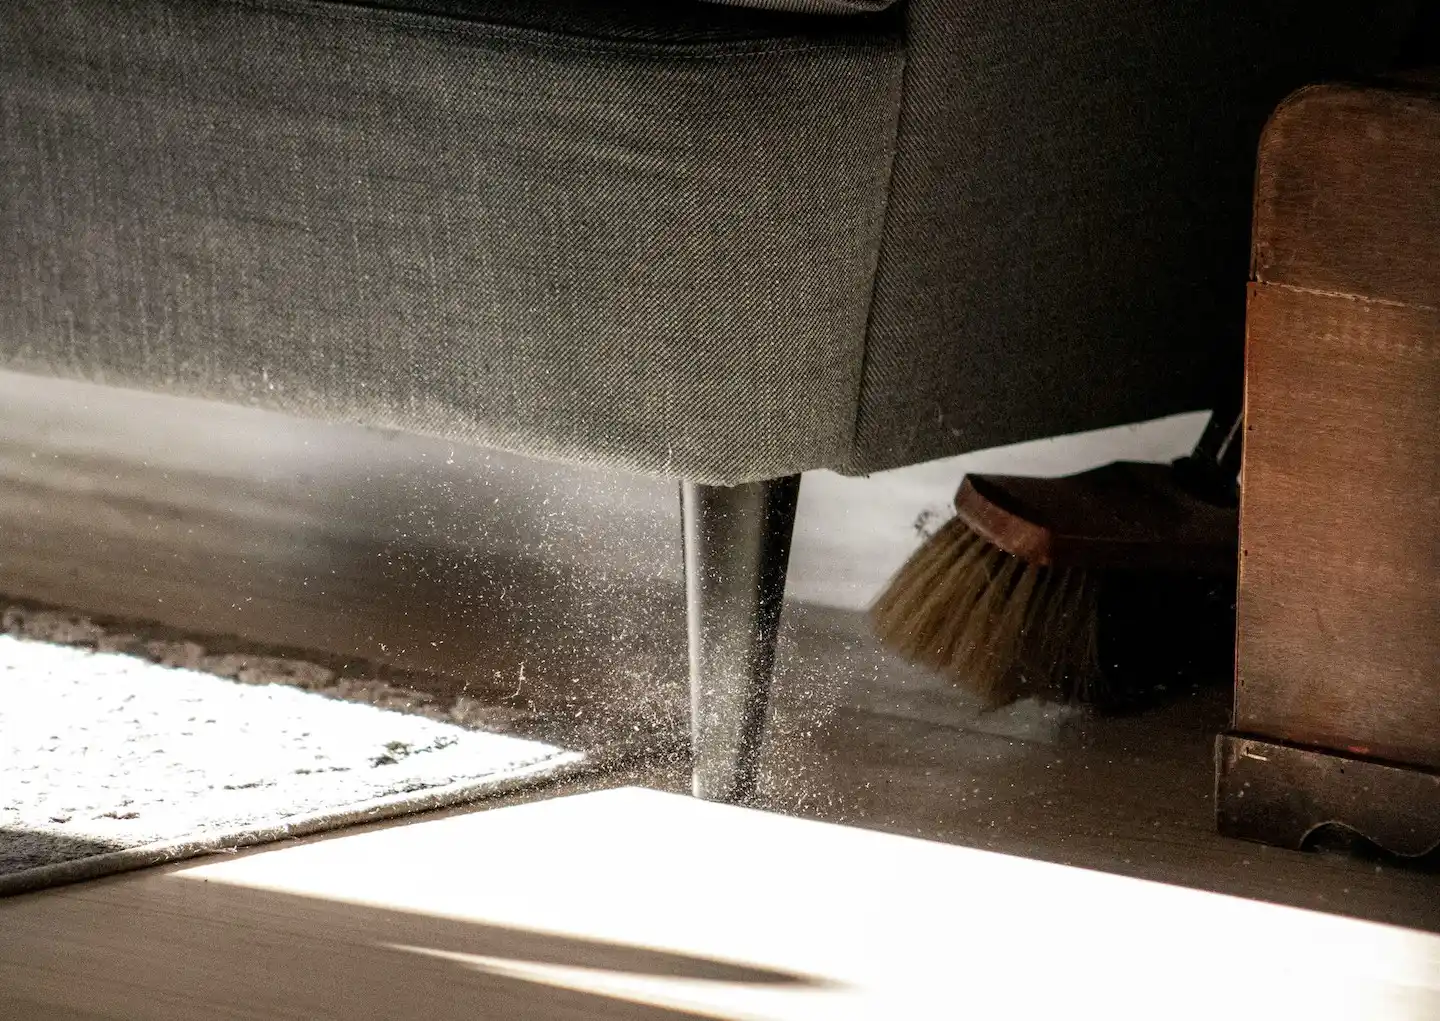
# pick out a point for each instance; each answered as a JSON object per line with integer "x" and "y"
{"x": 446, "y": 25}
{"x": 887, "y": 191}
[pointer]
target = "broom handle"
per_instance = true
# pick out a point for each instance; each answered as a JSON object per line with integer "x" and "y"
{"x": 1221, "y": 444}
{"x": 1212, "y": 471}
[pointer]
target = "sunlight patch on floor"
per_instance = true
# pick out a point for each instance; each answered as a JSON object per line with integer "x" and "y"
{"x": 870, "y": 925}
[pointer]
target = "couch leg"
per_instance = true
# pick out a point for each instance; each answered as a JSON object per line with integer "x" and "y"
{"x": 737, "y": 546}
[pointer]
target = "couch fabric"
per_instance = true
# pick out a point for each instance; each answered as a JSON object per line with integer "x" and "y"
{"x": 656, "y": 255}
{"x": 1068, "y": 231}
{"x": 688, "y": 239}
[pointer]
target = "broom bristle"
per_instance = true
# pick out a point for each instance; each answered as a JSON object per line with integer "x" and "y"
{"x": 990, "y": 621}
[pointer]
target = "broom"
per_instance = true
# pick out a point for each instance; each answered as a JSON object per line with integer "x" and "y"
{"x": 1009, "y": 597}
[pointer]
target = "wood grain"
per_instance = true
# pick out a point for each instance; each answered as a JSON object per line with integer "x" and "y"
{"x": 1339, "y": 609}
{"x": 1346, "y": 198}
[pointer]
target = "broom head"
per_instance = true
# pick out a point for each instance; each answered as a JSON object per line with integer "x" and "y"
{"x": 1005, "y": 598}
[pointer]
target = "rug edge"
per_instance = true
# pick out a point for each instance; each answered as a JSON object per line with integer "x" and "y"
{"x": 565, "y": 765}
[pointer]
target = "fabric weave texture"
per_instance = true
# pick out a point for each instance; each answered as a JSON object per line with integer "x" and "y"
{"x": 698, "y": 240}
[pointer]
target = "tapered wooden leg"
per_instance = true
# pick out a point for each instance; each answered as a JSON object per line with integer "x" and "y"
{"x": 737, "y": 547}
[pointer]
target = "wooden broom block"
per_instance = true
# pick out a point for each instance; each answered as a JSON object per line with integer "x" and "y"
{"x": 1123, "y": 516}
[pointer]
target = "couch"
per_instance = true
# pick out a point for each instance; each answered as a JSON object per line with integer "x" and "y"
{"x": 725, "y": 243}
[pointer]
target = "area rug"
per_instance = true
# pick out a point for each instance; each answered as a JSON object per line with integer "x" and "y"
{"x": 110, "y": 761}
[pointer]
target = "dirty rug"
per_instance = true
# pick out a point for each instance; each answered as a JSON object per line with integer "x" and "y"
{"x": 111, "y": 761}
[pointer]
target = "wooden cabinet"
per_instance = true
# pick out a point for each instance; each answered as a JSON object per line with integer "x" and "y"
{"x": 1337, "y": 702}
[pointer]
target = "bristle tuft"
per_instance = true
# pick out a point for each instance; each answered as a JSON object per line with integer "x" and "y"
{"x": 990, "y": 621}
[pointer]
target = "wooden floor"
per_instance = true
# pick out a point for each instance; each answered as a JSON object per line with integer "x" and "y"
{"x": 464, "y": 572}
{"x": 637, "y": 904}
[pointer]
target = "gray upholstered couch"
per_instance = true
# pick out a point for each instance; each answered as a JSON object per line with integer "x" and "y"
{"x": 723, "y": 243}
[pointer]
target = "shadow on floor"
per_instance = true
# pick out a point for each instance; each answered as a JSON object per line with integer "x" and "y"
{"x": 142, "y": 950}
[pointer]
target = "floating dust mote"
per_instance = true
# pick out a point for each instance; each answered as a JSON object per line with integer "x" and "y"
{"x": 991, "y": 622}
